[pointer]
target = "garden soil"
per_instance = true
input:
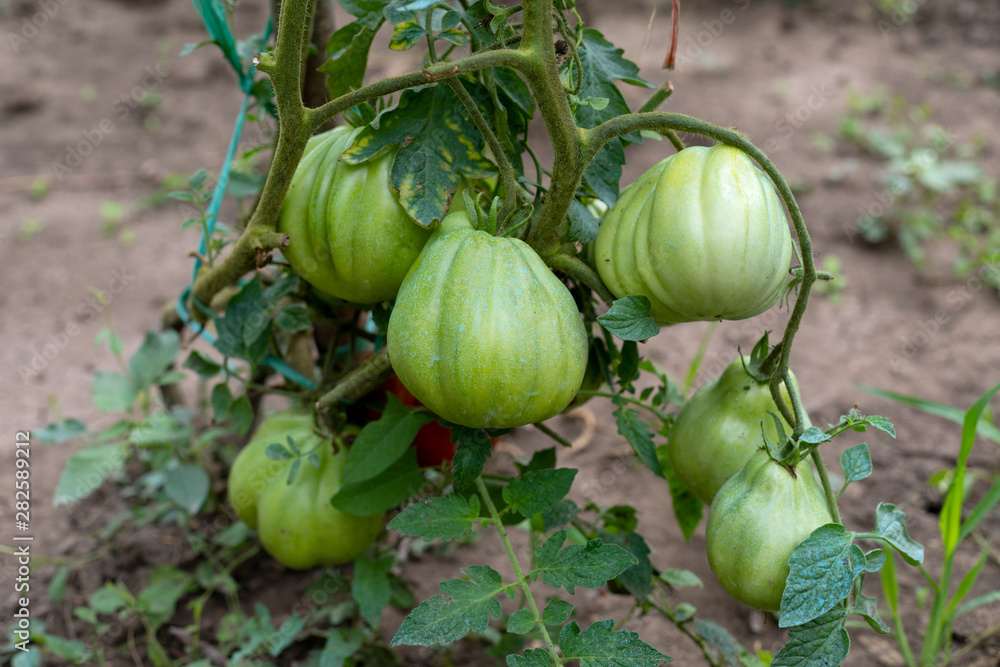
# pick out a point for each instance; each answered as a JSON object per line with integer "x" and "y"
{"x": 69, "y": 116}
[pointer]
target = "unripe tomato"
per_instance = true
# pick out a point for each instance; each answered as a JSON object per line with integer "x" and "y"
{"x": 483, "y": 333}
{"x": 757, "y": 519}
{"x": 702, "y": 235}
{"x": 719, "y": 428}
{"x": 349, "y": 236}
{"x": 296, "y": 522}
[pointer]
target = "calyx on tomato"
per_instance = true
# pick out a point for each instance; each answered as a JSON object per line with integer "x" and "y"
{"x": 296, "y": 522}
{"x": 483, "y": 333}
{"x": 719, "y": 428}
{"x": 756, "y": 520}
{"x": 702, "y": 235}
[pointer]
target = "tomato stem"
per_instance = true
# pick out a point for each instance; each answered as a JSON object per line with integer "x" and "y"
{"x": 576, "y": 269}
{"x": 373, "y": 371}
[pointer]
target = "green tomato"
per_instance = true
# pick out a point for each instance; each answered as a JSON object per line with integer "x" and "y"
{"x": 349, "y": 236}
{"x": 719, "y": 428}
{"x": 297, "y": 524}
{"x": 757, "y": 519}
{"x": 483, "y": 333}
{"x": 702, "y": 235}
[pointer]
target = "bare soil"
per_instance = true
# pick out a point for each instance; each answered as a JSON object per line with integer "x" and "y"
{"x": 776, "y": 74}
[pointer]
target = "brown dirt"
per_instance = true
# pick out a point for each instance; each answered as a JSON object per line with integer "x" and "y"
{"x": 776, "y": 74}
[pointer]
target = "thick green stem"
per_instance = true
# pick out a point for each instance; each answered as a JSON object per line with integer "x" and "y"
{"x": 576, "y": 269}
{"x": 372, "y": 372}
{"x": 522, "y": 581}
{"x": 824, "y": 478}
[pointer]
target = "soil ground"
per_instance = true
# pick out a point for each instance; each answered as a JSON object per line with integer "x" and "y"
{"x": 775, "y": 73}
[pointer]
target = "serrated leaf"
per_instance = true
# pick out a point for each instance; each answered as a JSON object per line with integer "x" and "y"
{"x": 59, "y": 432}
{"x": 814, "y": 436}
{"x": 533, "y": 657}
{"x": 370, "y": 587}
{"x": 340, "y": 645}
{"x": 890, "y": 524}
{"x": 856, "y": 463}
{"x": 600, "y": 646}
{"x": 465, "y": 606}
{"x": 687, "y": 506}
{"x": 347, "y": 57}
{"x": 369, "y": 12}
{"x": 636, "y": 579}
{"x": 590, "y": 566}
{"x": 559, "y": 514}
{"x": 720, "y": 639}
{"x": 382, "y": 442}
{"x": 406, "y": 35}
{"x": 882, "y": 424}
{"x": 293, "y": 317}
{"x": 188, "y": 486}
{"x": 86, "y": 470}
{"x": 557, "y": 612}
{"x": 583, "y": 226}
{"x": 629, "y": 319}
{"x": 822, "y": 569}
{"x": 394, "y": 485}
{"x": 521, "y": 622}
{"x": 447, "y": 518}
{"x": 472, "y": 449}
{"x": 113, "y": 392}
{"x": 538, "y": 490}
{"x": 202, "y": 364}
{"x": 822, "y": 642}
{"x": 242, "y": 332}
{"x": 154, "y": 357}
{"x": 867, "y": 607}
{"x": 637, "y": 432}
{"x": 427, "y": 172}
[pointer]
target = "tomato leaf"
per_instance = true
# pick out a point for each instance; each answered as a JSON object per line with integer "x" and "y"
{"x": 243, "y": 329}
{"x": 86, "y": 470}
{"x": 677, "y": 578}
{"x": 600, "y": 646}
{"x": 538, "y": 490}
{"x": 59, "y": 432}
{"x": 293, "y": 318}
{"x": 867, "y": 607}
{"x": 447, "y": 518}
{"x": 154, "y": 357}
{"x": 638, "y": 434}
{"x": 687, "y": 506}
{"x": 371, "y": 588}
{"x": 722, "y": 641}
{"x": 394, "y": 485}
{"x": 521, "y": 622}
{"x": 347, "y": 57}
{"x": 188, "y": 486}
{"x": 583, "y": 225}
{"x": 637, "y": 579}
{"x": 382, "y": 442}
{"x": 222, "y": 401}
{"x": 856, "y": 463}
{"x": 465, "y": 606}
{"x": 113, "y": 392}
{"x": 822, "y": 569}
{"x": 559, "y": 514}
{"x": 473, "y": 448}
{"x": 890, "y": 525}
{"x": 427, "y": 172}
{"x": 822, "y": 641}
{"x": 557, "y": 612}
{"x": 590, "y": 566}
{"x": 629, "y": 319}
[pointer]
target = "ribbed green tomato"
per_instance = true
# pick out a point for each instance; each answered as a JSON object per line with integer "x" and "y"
{"x": 296, "y": 522}
{"x": 349, "y": 235}
{"x": 702, "y": 235}
{"x": 719, "y": 428}
{"x": 483, "y": 333}
{"x": 757, "y": 519}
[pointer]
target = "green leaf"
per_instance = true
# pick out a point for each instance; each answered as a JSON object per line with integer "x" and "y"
{"x": 114, "y": 341}
{"x": 57, "y": 586}
{"x": 188, "y": 486}
{"x": 559, "y": 514}
{"x": 395, "y": 484}
{"x": 465, "y": 606}
{"x": 867, "y": 607}
{"x": 447, "y": 518}
{"x": 636, "y": 579}
{"x": 427, "y": 172}
{"x": 158, "y": 601}
{"x": 890, "y": 524}
{"x": 557, "y": 612}
{"x": 629, "y": 319}
{"x": 293, "y": 317}
{"x": 106, "y": 600}
{"x": 983, "y": 428}
{"x": 86, "y": 470}
{"x": 533, "y": 657}
{"x": 822, "y": 569}
{"x": 154, "y": 357}
{"x": 822, "y": 642}
{"x": 72, "y": 650}
{"x": 590, "y": 566}
{"x": 874, "y": 560}
{"x": 59, "y": 432}
{"x": 721, "y": 639}
{"x": 856, "y": 463}
{"x": 687, "y": 506}
{"x": 538, "y": 490}
{"x": 202, "y": 364}
{"x": 473, "y": 448}
{"x": 31, "y": 658}
{"x": 242, "y": 332}
{"x": 638, "y": 434}
{"x": 114, "y": 392}
{"x": 406, "y": 35}
{"x": 678, "y": 578}
{"x": 340, "y": 645}
{"x": 521, "y": 622}
{"x": 347, "y": 57}
{"x": 981, "y": 510}
{"x": 241, "y": 414}
{"x": 583, "y": 225}
{"x": 159, "y": 429}
{"x": 600, "y": 646}
{"x": 371, "y": 588}
{"x": 222, "y": 401}
{"x": 382, "y": 442}
{"x": 369, "y": 12}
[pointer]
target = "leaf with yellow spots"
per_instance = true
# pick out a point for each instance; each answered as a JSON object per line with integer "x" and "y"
{"x": 438, "y": 142}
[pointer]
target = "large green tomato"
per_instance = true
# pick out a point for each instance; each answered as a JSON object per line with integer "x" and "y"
{"x": 296, "y": 522}
{"x": 757, "y": 519}
{"x": 349, "y": 235}
{"x": 719, "y": 429}
{"x": 702, "y": 235}
{"x": 483, "y": 333}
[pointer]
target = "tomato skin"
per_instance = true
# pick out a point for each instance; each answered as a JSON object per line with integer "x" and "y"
{"x": 350, "y": 237}
{"x": 757, "y": 519}
{"x": 483, "y": 333}
{"x": 296, "y": 523}
{"x": 702, "y": 234}
{"x": 719, "y": 428}
{"x": 434, "y": 446}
